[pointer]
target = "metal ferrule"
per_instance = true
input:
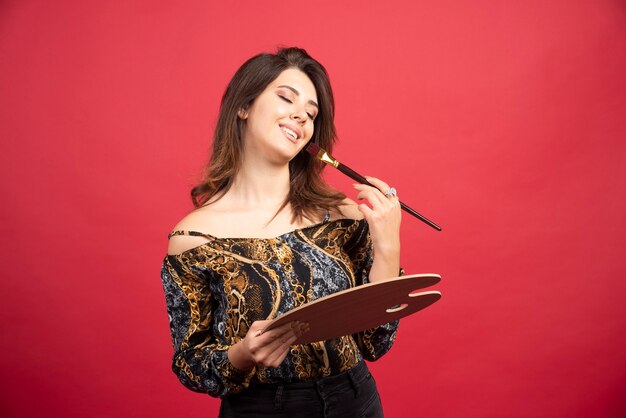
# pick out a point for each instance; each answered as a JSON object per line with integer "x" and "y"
{"x": 325, "y": 157}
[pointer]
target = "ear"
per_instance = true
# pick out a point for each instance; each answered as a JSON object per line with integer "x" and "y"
{"x": 242, "y": 113}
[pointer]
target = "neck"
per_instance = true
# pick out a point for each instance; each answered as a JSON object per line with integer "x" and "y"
{"x": 260, "y": 186}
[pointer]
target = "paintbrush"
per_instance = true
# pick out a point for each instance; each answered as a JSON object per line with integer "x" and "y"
{"x": 325, "y": 157}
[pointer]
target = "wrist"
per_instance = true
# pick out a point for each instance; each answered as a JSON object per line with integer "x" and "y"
{"x": 240, "y": 358}
{"x": 389, "y": 252}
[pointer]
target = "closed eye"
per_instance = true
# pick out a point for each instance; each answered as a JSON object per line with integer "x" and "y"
{"x": 288, "y": 100}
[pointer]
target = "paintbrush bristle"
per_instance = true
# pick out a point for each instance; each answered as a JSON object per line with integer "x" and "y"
{"x": 321, "y": 154}
{"x": 313, "y": 149}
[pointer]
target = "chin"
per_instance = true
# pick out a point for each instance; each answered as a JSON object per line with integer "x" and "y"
{"x": 288, "y": 155}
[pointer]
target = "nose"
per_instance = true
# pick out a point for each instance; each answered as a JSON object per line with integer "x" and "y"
{"x": 299, "y": 115}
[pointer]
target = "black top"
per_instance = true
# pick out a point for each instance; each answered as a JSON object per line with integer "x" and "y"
{"x": 216, "y": 290}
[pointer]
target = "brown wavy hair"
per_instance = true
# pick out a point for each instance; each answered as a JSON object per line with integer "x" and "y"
{"x": 309, "y": 195}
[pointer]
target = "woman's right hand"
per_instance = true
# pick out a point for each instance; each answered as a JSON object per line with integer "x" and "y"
{"x": 265, "y": 349}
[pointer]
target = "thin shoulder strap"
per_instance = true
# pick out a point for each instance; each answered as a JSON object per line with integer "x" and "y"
{"x": 189, "y": 233}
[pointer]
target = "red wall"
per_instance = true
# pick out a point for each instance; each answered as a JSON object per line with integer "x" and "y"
{"x": 503, "y": 121}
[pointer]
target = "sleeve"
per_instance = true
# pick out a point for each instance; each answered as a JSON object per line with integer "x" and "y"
{"x": 200, "y": 360}
{"x": 374, "y": 342}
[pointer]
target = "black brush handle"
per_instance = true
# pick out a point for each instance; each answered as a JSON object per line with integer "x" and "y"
{"x": 420, "y": 217}
{"x": 353, "y": 174}
{"x": 357, "y": 177}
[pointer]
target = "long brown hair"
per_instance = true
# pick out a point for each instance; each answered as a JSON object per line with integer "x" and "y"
{"x": 308, "y": 195}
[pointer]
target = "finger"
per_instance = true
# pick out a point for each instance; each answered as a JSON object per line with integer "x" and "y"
{"x": 385, "y": 202}
{"x": 285, "y": 332}
{"x": 277, "y": 356}
{"x": 257, "y": 327}
{"x": 384, "y": 188}
{"x": 366, "y": 211}
{"x": 381, "y": 185}
{"x": 372, "y": 194}
{"x": 302, "y": 329}
{"x": 297, "y": 329}
{"x": 377, "y": 201}
{"x": 279, "y": 353}
{"x": 278, "y": 331}
{"x": 276, "y": 349}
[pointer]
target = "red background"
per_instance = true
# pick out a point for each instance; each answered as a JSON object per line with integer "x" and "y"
{"x": 503, "y": 121}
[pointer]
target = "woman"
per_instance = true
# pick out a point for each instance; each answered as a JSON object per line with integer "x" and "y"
{"x": 268, "y": 235}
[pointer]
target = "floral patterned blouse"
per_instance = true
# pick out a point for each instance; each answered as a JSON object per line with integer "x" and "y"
{"x": 216, "y": 290}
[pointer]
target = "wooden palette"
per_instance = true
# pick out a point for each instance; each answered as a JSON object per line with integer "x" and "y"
{"x": 362, "y": 307}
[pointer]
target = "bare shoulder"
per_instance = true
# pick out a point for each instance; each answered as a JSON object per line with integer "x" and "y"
{"x": 349, "y": 209}
{"x": 199, "y": 220}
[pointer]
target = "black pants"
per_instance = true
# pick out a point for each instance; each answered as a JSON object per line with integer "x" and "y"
{"x": 346, "y": 395}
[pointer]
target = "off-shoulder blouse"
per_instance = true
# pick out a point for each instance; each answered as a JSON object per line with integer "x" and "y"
{"x": 216, "y": 290}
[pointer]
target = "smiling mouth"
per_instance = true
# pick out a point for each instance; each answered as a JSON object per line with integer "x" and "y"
{"x": 289, "y": 132}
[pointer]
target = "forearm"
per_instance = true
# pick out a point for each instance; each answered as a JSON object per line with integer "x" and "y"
{"x": 386, "y": 264}
{"x": 210, "y": 371}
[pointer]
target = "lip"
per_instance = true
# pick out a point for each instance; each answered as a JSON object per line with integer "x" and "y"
{"x": 294, "y": 128}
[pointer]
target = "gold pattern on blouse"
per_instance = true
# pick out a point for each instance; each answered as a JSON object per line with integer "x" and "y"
{"x": 215, "y": 291}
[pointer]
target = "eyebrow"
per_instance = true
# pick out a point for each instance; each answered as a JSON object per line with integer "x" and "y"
{"x": 297, "y": 93}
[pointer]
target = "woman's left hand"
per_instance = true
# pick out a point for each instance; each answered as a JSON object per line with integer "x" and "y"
{"x": 383, "y": 217}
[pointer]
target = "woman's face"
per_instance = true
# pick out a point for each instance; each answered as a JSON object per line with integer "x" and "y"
{"x": 279, "y": 122}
